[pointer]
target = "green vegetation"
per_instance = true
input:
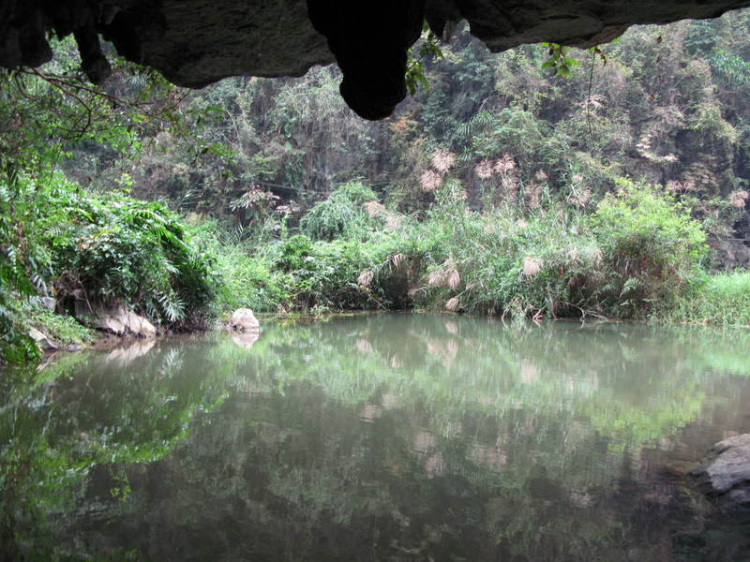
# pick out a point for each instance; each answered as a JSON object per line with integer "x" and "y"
{"x": 630, "y": 258}
{"x": 652, "y": 246}
{"x": 719, "y": 299}
{"x": 84, "y": 250}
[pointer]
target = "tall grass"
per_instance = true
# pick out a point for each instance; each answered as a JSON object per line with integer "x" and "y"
{"x": 721, "y": 299}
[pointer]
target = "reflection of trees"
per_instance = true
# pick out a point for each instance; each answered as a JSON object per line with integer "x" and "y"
{"x": 299, "y": 478}
{"x": 91, "y": 409}
{"x": 394, "y": 438}
{"x": 632, "y": 383}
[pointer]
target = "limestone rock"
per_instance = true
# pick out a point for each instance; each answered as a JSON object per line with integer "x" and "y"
{"x": 730, "y": 254}
{"x": 196, "y": 42}
{"x": 725, "y": 474}
{"x": 42, "y": 340}
{"x": 123, "y": 322}
{"x": 243, "y": 320}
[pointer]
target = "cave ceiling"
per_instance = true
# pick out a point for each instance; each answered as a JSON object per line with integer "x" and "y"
{"x": 196, "y": 42}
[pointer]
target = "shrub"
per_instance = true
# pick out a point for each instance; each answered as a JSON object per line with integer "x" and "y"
{"x": 339, "y": 215}
{"x": 336, "y": 216}
{"x": 23, "y": 261}
{"x": 246, "y": 276}
{"x": 650, "y": 245}
{"x": 356, "y": 192}
{"x": 294, "y": 253}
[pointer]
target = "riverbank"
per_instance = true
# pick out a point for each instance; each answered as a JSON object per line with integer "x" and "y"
{"x": 638, "y": 255}
{"x": 66, "y": 335}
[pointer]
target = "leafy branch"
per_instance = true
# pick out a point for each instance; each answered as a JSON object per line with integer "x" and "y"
{"x": 415, "y": 70}
{"x": 558, "y": 60}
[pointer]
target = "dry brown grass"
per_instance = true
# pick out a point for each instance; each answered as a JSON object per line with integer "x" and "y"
{"x": 365, "y": 278}
{"x": 738, "y": 199}
{"x": 505, "y": 165}
{"x": 430, "y": 180}
{"x": 436, "y": 278}
{"x": 532, "y": 266}
{"x": 483, "y": 170}
{"x": 443, "y": 160}
{"x": 453, "y": 278}
{"x": 374, "y": 209}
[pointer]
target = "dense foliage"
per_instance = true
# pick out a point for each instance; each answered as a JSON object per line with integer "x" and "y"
{"x": 663, "y": 106}
{"x": 86, "y": 250}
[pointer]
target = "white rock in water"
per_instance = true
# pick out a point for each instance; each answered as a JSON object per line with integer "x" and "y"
{"x": 726, "y": 473}
{"x": 124, "y": 322}
{"x": 243, "y": 320}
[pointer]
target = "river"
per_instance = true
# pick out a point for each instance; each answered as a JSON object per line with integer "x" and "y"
{"x": 411, "y": 437}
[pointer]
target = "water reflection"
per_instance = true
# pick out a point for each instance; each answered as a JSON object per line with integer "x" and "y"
{"x": 376, "y": 437}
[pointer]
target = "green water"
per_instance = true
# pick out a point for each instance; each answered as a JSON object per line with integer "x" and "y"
{"x": 381, "y": 437}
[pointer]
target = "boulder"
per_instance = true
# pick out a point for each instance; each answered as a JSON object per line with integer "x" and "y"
{"x": 41, "y": 339}
{"x": 123, "y": 322}
{"x": 243, "y": 320}
{"x": 725, "y": 474}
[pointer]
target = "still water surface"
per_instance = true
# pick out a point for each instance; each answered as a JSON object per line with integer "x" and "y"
{"x": 385, "y": 437}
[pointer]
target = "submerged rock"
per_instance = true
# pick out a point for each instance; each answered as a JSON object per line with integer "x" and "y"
{"x": 123, "y": 322}
{"x": 725, "y": 474}
{"x": 243, "y": 320}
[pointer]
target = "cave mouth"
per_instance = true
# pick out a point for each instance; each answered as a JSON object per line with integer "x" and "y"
{"x": 196, "y": 42}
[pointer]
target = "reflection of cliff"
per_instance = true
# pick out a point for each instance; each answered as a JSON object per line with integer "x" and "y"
{"x": 382, "y": 437}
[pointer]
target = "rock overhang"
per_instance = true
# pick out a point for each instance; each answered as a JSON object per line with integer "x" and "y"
{"x": 196, "y": 42}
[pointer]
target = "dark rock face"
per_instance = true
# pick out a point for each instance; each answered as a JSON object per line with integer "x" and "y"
{"x": 196, "y": 42}
{"x": 370, "y": 41}
{"x": 731, "y": 253}
{"x": 725, "y": 474}
{"x": 503, "y": 24}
